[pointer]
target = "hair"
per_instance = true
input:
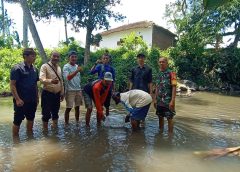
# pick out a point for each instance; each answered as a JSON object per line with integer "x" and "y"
{"x": 70, "y": 53}
{"x": 54, "y": 51}
{"x": 28, "y": 51}
{"x": 165, "y": 58}
{"x": 140, "y": 55}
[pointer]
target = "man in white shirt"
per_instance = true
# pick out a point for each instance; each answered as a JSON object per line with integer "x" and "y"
{"x": 137, "y": 102}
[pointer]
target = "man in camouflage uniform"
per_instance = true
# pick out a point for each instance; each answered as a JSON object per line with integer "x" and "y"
{"x": 165, "y": 94}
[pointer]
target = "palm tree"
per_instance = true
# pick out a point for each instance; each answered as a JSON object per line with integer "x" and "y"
{"x": 32, "y": 27}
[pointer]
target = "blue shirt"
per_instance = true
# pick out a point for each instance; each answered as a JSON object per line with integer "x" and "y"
{"x": 74, "y": 83}
{"x": 101, "y": 69}
{"x": 26, "y": 81}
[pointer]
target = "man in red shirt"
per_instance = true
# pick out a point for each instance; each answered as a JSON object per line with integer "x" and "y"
{"x": 97, "y": 92}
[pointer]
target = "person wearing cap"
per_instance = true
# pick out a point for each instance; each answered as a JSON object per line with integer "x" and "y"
{"x": 72, "y": 80}
{"x": 53, "y": 90}
{"x": 100, "y": 67}
{"x": 23, "y": 84}
{"x": 137, "y": 102}
{"x": 97, "y": 92}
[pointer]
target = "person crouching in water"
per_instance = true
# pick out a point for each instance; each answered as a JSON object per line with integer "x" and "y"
{"x": 137, "y": 102}
{"x": 97, "y": 91}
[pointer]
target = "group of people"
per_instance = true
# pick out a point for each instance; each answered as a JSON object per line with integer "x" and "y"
{"x": 58, "y": 84}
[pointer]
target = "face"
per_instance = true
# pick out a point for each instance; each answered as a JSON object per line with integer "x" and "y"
{"x": 55, "y": 57}
{"x": 105, "y": 59}
{"x": 30, "y": 58}
{"x": 163, "y": 63}
{"x": 106, "y": 82}
{"x": 117, "y": 99}
{"x": 73, "y": 59}
{"x": 141, "y": 60}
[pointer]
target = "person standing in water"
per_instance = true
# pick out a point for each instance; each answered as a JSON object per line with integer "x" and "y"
{"x": 165, "y": 94}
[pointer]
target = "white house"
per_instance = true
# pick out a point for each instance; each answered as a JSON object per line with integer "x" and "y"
{"x": 151, "y": 33}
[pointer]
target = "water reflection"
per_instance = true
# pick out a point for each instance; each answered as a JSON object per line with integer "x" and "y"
{"x": 203, "y": 122}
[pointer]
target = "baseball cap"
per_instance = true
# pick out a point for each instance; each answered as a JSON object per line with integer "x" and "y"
{"x": 108, "y": 76}
{"x": 70, "y": 53}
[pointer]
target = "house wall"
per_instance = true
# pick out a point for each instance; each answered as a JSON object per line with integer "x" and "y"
{"x": 162, "y": 38}
{"x": 110, "y": 41}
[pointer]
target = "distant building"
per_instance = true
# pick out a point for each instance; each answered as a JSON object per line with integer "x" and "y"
{"x": 151, "y": 33}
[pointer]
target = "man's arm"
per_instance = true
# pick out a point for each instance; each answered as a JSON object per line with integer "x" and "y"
{"x": 150, "y": 82}
{"x": 172, "y": 102}
{"x": 13, "y": 88}
{"x": 43, "y": 75}
{"x": 97, "y": 100}
{"x": 70, "y": 76}
{"x": 155, "y": 97}
{"x": 150, "y": 89}
{"x": 37, "y": 94}
{"x": 95, "y": 68}
{"x": 131, "y": 79}
{"x": 174, "y": 88}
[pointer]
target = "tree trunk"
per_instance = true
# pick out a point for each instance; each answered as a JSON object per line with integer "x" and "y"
{"x": 65, "y": 26}
{"x": 87, "y": 46}
{"x": 25, "y": 30}
{"x": 237, "y": 37}
{"x": 33, "y": 30}
{"x": 3, "y": 20}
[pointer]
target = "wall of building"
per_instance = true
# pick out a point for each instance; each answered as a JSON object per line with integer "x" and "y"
{"x": 110, "y": 41}
{"x": 162, "y": 38}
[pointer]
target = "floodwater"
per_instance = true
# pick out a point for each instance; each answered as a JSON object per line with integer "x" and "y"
{"x": 204, "y": 121}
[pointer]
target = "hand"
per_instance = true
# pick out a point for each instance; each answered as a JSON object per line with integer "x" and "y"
{"x": 61, "y": 98}
{"x": 19, "y": 102}
{"x": 98, "y": 61}
{"x": 79, "y": 69}
{"x": 172, "y": 105}
{"x": 55, "y": 81}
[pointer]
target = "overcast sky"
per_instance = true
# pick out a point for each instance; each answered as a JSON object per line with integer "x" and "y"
{"x": 53, "y": 32}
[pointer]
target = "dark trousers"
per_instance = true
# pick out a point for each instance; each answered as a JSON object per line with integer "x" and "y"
{"x": 50, "y": 103}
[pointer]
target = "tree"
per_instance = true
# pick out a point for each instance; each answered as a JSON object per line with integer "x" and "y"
{"x": 3, "y": 18}
{"x": 205, "y": 26}
{"x": 33, "y": 30}
{"x": 96, "y": 16}
{"x": 213, "y": 3}
{"x": 29, "y": 21}
{"x": 88, "y": 14}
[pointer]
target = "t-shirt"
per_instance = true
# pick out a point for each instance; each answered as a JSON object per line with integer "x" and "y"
{"x": 135, "y": 98}
{"x": 165, "y": 80}
{"x": 98, "y": 92}
{"x": 26, "y": 81}
{"x": 75, "y": 83}
{"x": 141, "y": 77}
{"x": 101, "y": 69}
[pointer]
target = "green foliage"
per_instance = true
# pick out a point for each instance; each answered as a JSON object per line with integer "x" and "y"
{"x": 8, "y": 58}
{"x": 205, "y": 27}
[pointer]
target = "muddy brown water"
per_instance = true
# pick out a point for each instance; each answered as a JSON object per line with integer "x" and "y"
{"x": 204, "y": 121}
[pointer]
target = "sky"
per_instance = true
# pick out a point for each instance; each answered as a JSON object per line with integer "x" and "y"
{"x": 52, "y": 32}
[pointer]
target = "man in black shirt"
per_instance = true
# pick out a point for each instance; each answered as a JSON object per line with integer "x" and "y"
{"x": 141, "y": 76}
{"x": 24, "y": 77}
